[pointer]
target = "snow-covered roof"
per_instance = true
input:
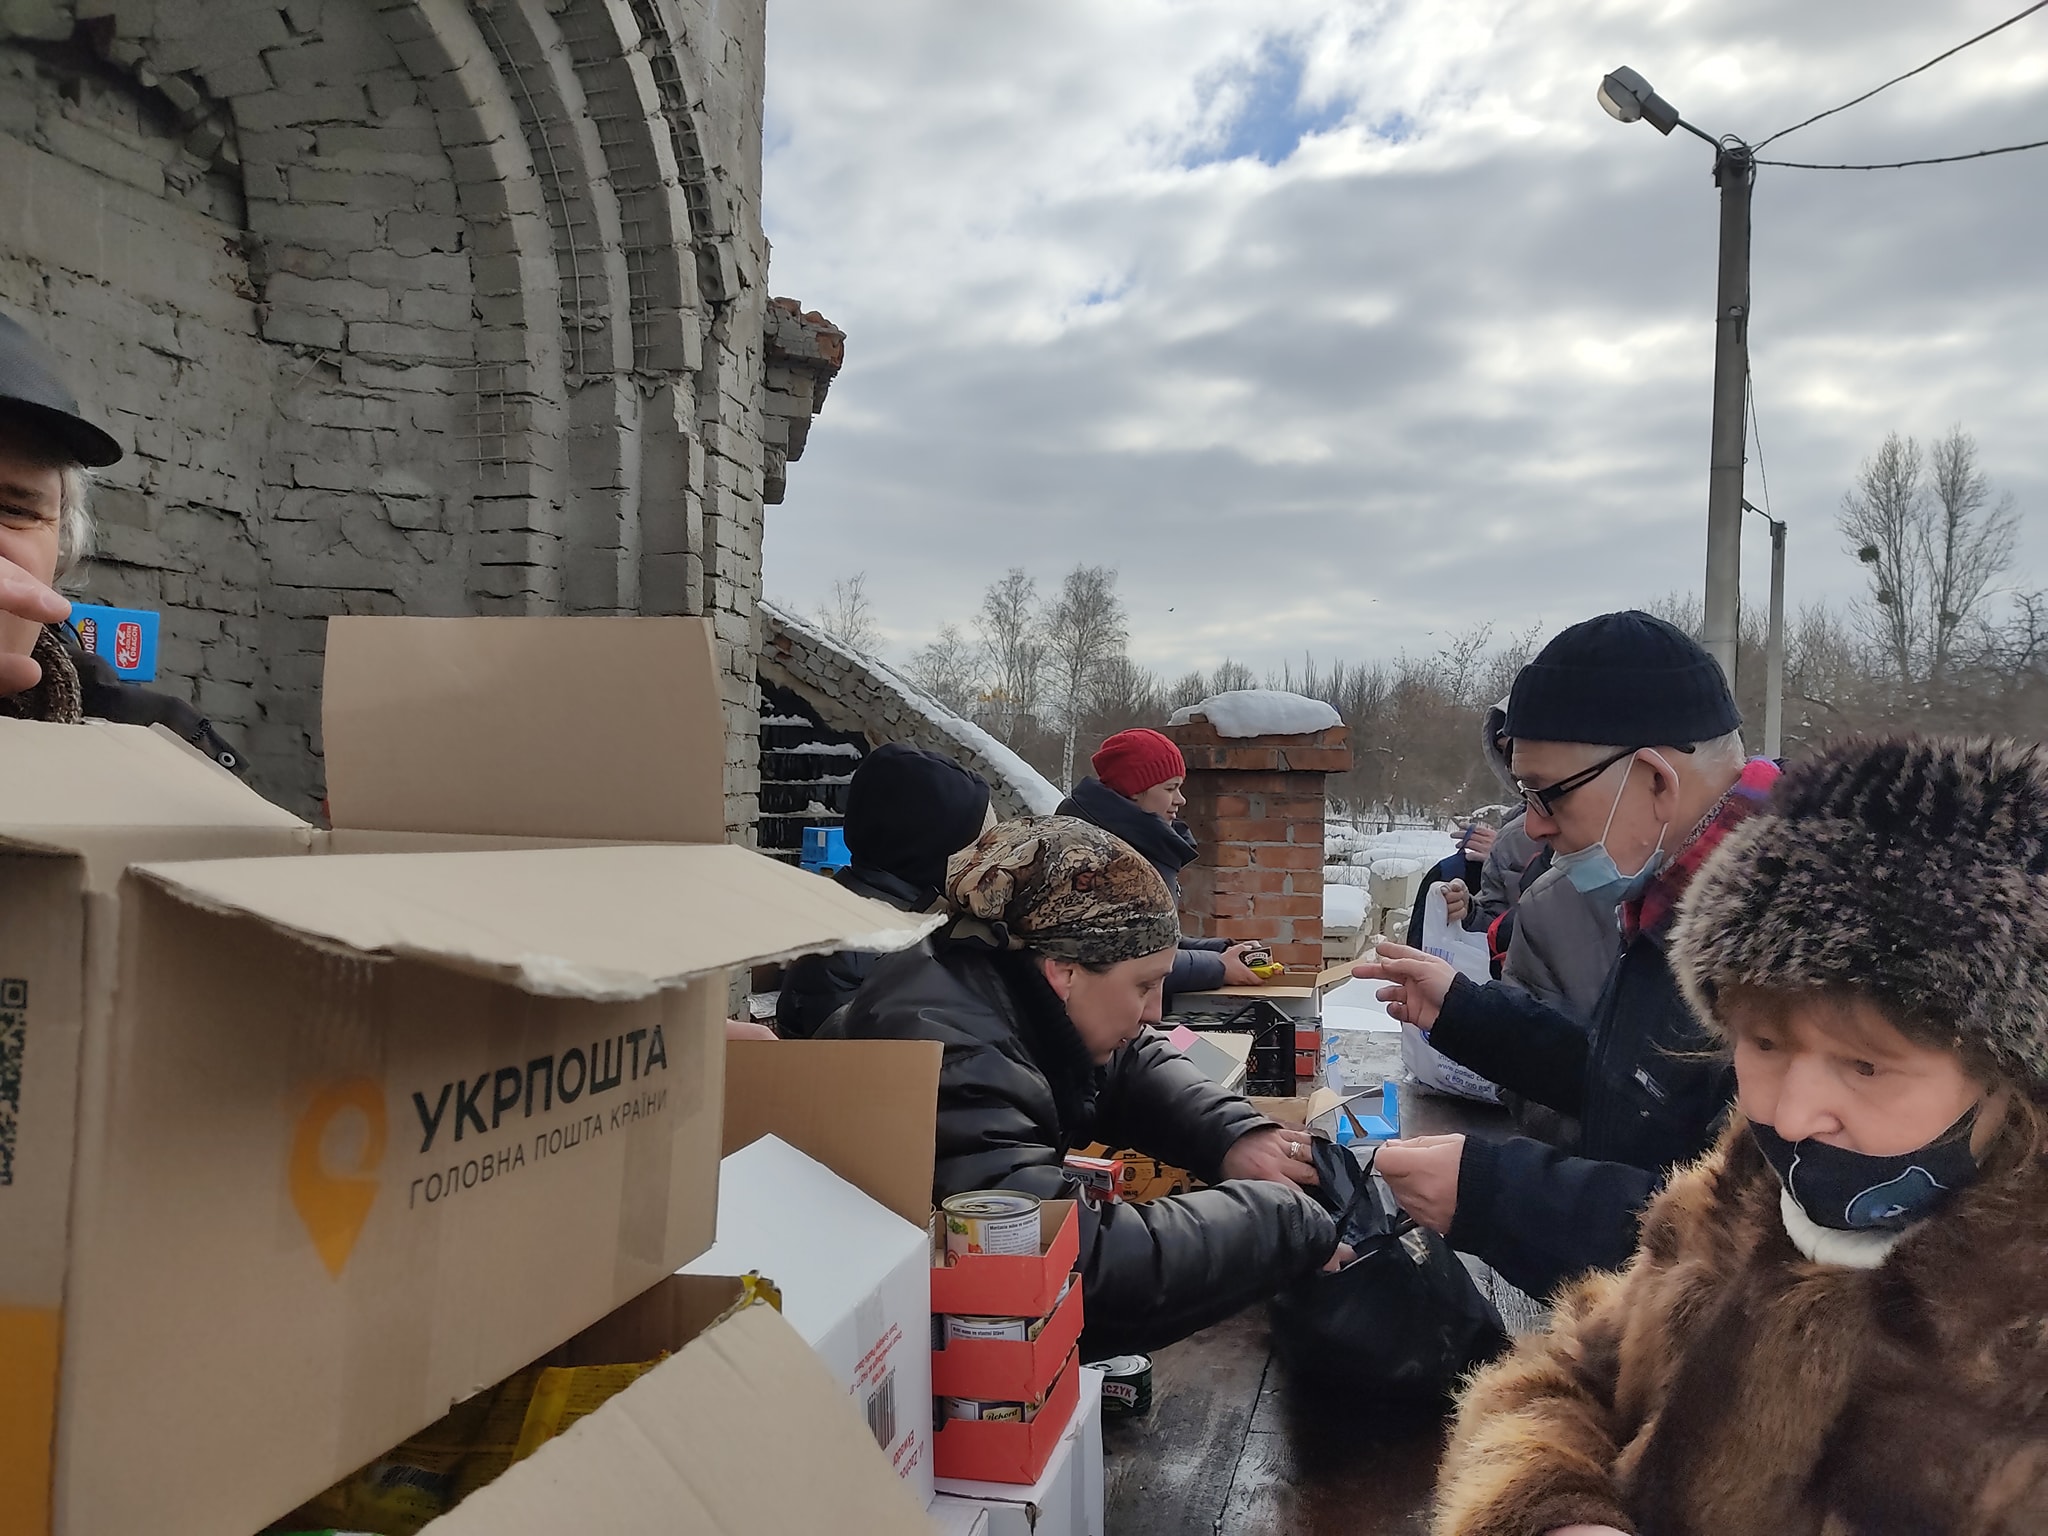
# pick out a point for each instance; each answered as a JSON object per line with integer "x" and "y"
{"x": 1247, "y": 712}
{"x": 979, "y": 749}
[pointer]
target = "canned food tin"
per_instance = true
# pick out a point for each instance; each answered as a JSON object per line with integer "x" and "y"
{"x": 1126, "y": 1384}
{"x": 986, "y": 1413}
{"x": 1010, "y": 1330}
{"x": 990, "y": 1222}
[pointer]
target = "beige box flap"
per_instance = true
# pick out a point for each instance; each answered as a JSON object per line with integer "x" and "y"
{"x": 602, "y": 923}
{"x": 742, "y": 1433}
{"x": 866, "y": 1109}
{"x": 587, "y": 728}
{"x": 76, "y": 783}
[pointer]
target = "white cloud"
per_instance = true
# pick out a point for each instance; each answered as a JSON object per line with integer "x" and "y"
{"x": 1446, "y": 358}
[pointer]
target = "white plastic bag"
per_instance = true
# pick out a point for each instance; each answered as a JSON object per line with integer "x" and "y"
{"x": 1467, "y": 951}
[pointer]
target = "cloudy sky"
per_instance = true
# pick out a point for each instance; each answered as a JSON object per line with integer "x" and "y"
{"x": 1336, "y": 327}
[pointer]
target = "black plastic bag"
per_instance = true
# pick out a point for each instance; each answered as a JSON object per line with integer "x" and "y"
{"x": 1401, "y": 1322}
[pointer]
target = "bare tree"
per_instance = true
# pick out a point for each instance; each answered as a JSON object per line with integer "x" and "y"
{"x": 1969, "y": 543}
{"x": 1013, "y": 651}
{"x": 948, "y": 668}
{"x": 1231, "y": 677}
{"x": 1881, "y": 518}
{"x": 1084, "y": 636}
{"x": 849, "y": 617}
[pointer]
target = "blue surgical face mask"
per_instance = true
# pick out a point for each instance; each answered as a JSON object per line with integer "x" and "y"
{"x": 1592, "y": 869}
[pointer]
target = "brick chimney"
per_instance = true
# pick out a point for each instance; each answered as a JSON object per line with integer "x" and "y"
{"x": 1256, "y": 808}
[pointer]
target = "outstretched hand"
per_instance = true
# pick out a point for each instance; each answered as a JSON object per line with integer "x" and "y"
{"x": 1276, "y": 1153}
{"x": 1418, "y": 983}
{"x": 1422, "y": 1173}
{"x": 22, "y": 597}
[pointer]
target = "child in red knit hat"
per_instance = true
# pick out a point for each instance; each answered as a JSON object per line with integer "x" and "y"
{"x": 1137, "y": 794}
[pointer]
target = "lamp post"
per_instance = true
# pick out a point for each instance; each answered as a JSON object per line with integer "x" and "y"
{"x": 1774, "y": 642}
{"x": 1628, "y": 98}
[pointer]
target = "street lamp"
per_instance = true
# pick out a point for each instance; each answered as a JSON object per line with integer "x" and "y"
{"x": 1627, "y": 97}
{"x": 1774, "y": 641}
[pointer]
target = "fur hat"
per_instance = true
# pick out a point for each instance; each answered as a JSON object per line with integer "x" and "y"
{"x": 1064, "y": 887}
{"x": 1914, "y": 871}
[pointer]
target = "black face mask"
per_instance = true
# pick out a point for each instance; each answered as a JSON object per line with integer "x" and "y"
{"x": 1853, "y": 1192}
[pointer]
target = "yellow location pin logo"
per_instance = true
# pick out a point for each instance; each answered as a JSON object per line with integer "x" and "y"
{"x": 334, "y": 1204}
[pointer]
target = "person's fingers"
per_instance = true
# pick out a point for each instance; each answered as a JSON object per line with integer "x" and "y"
{"x": 1389, "y": 950}
{"x": 18, "y": 674}
{"x": 25, "y": 597}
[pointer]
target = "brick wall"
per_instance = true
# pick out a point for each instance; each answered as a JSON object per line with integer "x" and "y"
{"x": 1256, "y": 808}
{"x": 401, "y": 306}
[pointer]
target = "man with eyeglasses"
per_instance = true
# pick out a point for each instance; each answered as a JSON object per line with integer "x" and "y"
{"x": 1628, "y": 753}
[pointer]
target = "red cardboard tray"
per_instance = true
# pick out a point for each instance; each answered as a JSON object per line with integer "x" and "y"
{"x": 984, "y": 1286}
{"x": 1008, "y": 1453}
{"x": 1002, "y": 1371}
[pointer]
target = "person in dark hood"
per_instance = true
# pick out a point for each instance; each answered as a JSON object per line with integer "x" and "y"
{"x": 907, "y": 812}
{"x": 1043, "y": 990}
{"x": 47, "y": 450}
{"x": 1136, "y": 794}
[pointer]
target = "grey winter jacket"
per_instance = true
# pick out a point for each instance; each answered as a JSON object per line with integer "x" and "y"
{"x": 1018, "y": 1091}
{"x": 1563, "y": 947}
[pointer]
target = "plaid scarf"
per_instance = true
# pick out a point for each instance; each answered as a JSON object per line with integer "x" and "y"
{"x": 1653, "y": 911}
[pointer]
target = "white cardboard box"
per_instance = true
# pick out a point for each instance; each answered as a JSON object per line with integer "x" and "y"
{"x": 855, "y": 1281}
{"x": 1065, "y": 1501}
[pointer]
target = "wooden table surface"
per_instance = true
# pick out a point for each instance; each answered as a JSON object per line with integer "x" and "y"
{"x": 1231, "y": 1448}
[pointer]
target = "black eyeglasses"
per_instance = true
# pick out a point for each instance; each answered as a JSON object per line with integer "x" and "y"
{"x": 1544, "y": 801}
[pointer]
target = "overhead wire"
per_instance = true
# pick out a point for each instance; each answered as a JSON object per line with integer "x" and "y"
{"x": 1900, "y": 165}
{"x": 1909, "y": 74}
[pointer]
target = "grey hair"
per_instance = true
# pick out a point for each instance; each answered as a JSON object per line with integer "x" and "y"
{"x": 75, "y": 525}
{"x": 1721, "y": 752}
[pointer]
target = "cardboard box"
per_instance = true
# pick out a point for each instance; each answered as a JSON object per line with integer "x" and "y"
{"x": 1066, "y": 1500}
{"x": 855, "y": 1281}
{"x": 294, "y": 1161}
{"x": 994, "y": 1451}
{"x": 1021, "y": 1285}
{"x": 742, "y": 1432}
{"x": 1007, "y": 1370}
{"x": 867, "y": 1111}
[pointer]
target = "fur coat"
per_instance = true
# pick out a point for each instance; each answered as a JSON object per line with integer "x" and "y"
{"x": 1725, "y": 1385}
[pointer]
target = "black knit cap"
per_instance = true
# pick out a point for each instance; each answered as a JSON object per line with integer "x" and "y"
{"x": 908, "y": 811}
{"x": 34, "y": 395}
{"x": 1622, "y": 680}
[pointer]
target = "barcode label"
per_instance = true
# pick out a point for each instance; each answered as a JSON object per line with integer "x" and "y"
{"x": 882, "y": 1412}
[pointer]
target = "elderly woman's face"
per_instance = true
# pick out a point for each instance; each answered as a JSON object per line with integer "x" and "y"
{"x": 31, "y": 515}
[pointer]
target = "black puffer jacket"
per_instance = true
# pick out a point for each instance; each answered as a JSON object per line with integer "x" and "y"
{"x": 818, "y": 986}
{"x": 1170, "y": 849}
{"x": 1018, "y": 1091}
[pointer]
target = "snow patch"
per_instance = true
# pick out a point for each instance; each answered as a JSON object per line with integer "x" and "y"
{"x": 1250, "y": 712}
{"x": 824, "y": 749}
{"x": 1343, "y": 907}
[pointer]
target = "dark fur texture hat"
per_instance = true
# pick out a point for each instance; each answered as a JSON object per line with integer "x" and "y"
{"x": 1914, "y": 871}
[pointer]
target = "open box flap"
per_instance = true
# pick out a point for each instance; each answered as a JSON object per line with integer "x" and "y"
{"x": 867, "y": 1109}
{"x": 742, "y": 1433}
{"x": 587, "y": 728}
{"x": 83, "y": 782}
{"x": 662, "y": 913}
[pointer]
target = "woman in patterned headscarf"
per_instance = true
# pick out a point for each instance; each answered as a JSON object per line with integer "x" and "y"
{"x": 1043, "y": 989}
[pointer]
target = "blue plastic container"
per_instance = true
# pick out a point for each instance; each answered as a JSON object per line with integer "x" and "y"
{"x": 825, "y": 850}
